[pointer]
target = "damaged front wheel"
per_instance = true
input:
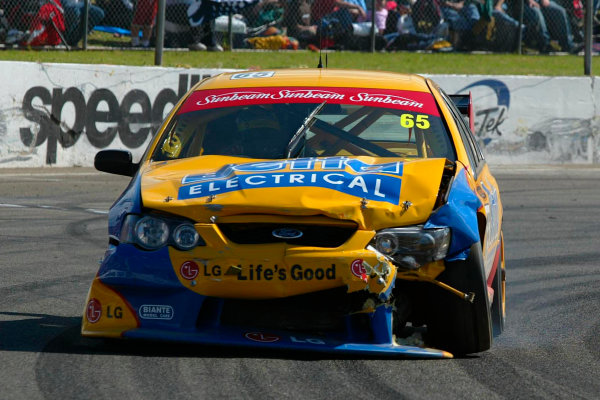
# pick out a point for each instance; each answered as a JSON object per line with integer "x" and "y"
{"x": 457, "y": 325}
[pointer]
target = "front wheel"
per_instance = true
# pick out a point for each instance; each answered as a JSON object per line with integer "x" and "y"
{"x": 457, "y": 325}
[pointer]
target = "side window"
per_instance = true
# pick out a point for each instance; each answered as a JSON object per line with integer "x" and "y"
{"x": 477, "y": 147}
{"x": 473, "y": 152}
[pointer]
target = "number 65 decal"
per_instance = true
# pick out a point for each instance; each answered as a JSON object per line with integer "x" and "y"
{"x": 409, "y": 121}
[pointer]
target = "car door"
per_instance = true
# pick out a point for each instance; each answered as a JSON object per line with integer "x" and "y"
{"x": 486, "y": 188}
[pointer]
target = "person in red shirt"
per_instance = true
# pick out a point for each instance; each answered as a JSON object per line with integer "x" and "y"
{"x": 47, "y": 26}
{"x": 144, "y": 18}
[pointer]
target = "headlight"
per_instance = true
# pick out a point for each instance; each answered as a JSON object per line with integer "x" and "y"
{"x": 412, "y": 247}
{"x": 153, "y": 232}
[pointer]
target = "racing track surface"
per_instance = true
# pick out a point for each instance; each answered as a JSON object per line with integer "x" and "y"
{"x": 53, "y": 232}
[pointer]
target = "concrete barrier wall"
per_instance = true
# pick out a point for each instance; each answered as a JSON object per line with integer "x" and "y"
{"x": 533, "y": 119}
{"x": 62, "y": 114}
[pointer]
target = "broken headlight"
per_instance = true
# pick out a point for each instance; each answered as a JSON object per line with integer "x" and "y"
{"x": 152, "y": 232}
{"x": 414, "y": 246}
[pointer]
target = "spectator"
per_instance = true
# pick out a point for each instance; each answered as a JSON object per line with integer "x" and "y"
{"x": 461, "y": 16}
{"x": 296, "y": 19}
{"x": 321, "y": 8}
{"x": 264, "y": 13}
{"x": 332, "y": 20}
{"x": 558, "y": 23}
{"x": 381, "y": 13}
{"x": 118, "y": 13}
{"x": 545, "y": 19}
{"x": 74, "y": 19}
{"x": 143, "y": 21}
{"x": 499, "y": 12}
{"x": 406, "y": 36}
{"x": 507, "y": 28}
{"x": 575, "y": 13}
{"x": 47, "y": 26}
{"x": 188, "y": 24}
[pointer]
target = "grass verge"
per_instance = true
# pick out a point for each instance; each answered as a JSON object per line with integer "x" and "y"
{"x": 433, "y": 63}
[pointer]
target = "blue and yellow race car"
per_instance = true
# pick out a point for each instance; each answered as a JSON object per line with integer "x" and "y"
{"x": 313, "y": 209}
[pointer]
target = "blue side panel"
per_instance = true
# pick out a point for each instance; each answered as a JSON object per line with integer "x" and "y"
{"x": 460, "y": 215}
{"x": 130, "y": 202}
{"x": 148, "y": 282}
{"x": 230, "y": 336}
{"x": 126, "y": 265}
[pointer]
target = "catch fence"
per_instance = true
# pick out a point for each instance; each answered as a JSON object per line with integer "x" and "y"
{"x": 546, "y": 26}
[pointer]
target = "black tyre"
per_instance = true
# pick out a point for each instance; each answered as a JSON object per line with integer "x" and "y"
{"x": 499, "y": 286}
{"x": 455, "y": 324}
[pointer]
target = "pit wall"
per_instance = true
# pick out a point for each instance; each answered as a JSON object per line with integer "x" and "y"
{"x": 62, "y": 114}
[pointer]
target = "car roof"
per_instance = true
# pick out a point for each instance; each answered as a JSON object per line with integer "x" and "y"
{"x": 316, "y": 77}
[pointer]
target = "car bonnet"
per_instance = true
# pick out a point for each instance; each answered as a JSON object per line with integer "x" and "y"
{"x": 373, "y": 192}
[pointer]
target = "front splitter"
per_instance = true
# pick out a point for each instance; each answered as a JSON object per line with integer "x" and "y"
{"x": 223, "y": 336}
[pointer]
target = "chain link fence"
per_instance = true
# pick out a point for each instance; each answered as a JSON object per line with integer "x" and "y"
{"x": 430, "y": 25}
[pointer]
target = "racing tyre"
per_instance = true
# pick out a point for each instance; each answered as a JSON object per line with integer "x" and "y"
{"x": 499, "y": 286}
{"x": 455, "y": 324}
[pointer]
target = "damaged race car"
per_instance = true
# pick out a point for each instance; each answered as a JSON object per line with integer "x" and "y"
{"x": 312, "y": 209}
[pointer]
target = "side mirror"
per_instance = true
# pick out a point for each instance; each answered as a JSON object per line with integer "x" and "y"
{"x": 118, "y": 162}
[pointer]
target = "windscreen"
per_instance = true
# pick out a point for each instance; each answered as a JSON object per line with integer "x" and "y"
{"x": 275, "y": 123}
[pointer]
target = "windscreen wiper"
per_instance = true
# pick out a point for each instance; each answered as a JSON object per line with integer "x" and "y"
{"x": 300, "y": 134}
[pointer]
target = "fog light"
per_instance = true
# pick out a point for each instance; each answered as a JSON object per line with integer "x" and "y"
{"x": 185, "y": 237}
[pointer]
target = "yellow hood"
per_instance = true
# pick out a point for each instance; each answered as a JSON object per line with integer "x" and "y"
{"x": 373, "y": 192}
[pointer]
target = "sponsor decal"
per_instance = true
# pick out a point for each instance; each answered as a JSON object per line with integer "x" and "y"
{"x": 156, "y": 311}
{"x": 252, "y": 75}
{"x": 387, "y": 99}
{"x": 261, "y": 272}
{"x": 189, "y": 270}
{"x": 379, "y": 182}
{"x": 114, "y": 312}
{"x": 93, "y": 311}
{"x": 358, "y": 269}
{"x": 294, "y": 339}
{"x": 397, "y": 99}
{"x": 304, "y": 94}
{"x": 261, "y": 337}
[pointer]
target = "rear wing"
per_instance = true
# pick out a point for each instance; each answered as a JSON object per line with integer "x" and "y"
{"x": 464, "y": 103}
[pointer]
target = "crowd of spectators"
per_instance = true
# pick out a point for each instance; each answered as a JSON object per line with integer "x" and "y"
{"x": 441, "y": 25}
{"x": 437, "y": 25}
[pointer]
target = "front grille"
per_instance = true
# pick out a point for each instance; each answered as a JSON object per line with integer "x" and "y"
{"x": 315, "y": 312}
{"x": 312, "y": 234}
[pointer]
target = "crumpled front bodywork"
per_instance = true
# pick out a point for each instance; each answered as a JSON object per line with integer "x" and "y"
{"x": 163, "y": 292}
{"x": 373, "y": 192}
{"x": 460, "y": 214}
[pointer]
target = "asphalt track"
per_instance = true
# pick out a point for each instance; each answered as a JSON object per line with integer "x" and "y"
{"x": 53, "y": 232}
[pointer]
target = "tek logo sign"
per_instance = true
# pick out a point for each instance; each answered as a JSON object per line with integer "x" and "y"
{"x": 488, "y": 120}
{"x": 379, "y": 182}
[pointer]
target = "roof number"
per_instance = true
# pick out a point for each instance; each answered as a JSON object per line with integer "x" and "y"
{"x": 251, "y": 75}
